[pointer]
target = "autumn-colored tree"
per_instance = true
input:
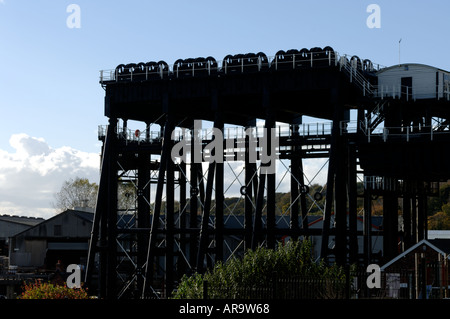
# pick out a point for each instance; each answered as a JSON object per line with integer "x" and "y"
{"x": 439, "y": 221}
{"x": 44, "y": 290}
{"x": 439, "y": 209}
{"x": 436, "y": 203}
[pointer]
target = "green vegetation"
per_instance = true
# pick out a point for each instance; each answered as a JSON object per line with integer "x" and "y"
{"x": 258, "y": 268}
{"x": 439, "y": 209}
{"x": 75, "y": 191}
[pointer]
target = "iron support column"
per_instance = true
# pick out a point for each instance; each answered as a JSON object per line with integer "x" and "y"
{"x": 390, "y": 225}
{"x": 194, "y": 190}
{"x": 336, "y": 186}
{"x": 182, "y": 223}
{"x": 295, "y": 194}
{"x": 165, "y": 158}
{"x": 170, "y": 220}
{"x": 406, "y": 217}
{"x": 367, "y": 228}
{"x": 111, "y": 224}
{"x": 143, "y": 215}
{"x": 352, "y": 205}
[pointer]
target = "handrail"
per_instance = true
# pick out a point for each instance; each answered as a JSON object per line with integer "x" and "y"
{"x": 352, "y": 67}
{"x": 131, "y": 135}
{"x": 405, "y": 132}
{"x": 210, "y": 66}
{"x": 221, "y": 67}
{"x": 232, "y": 132}
{"x": 410, "y": 93}
{"x": 258, "y": 63}
{"x": 355, "y": 75}
{"x": 319, "y": 129}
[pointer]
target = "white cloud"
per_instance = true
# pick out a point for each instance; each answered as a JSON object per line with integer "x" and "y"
{"x": 32, "y": 173}
{"x": 30, "y": 176}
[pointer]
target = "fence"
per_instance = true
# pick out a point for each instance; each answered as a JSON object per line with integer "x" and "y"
{"x": 405, "y": 284}
{"x": 281, "y": 288}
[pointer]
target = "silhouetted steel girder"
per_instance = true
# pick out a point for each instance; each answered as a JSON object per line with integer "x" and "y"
{"x": 241, "y": 99}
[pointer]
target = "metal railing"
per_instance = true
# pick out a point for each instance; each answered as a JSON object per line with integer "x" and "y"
{"x": 296, "y": 287}
{"x": 318, "y": 129}
{"x": 355, "y": 76}
{"x": 406, "y": 133}
{"x": 256, "y": 63}
{"x": 211, "y": 68}
{"x": 399, "y": 284}
{"x": 409, "y": 93}
{"x": 242, "y": 64}
{"x": 131, "y": 135}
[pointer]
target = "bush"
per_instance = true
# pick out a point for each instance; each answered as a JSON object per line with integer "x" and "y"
{"x": 190, "y": 287}
{"x": 41, "y": 290}
{"x": 257, "y": 270}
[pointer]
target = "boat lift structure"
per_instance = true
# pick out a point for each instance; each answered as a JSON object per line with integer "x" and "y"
{"x": 180, "y": 223}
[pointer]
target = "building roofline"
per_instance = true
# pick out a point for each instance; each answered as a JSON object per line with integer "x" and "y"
{"x": 55, "y": 216}
{"x": 357, "y": 217}
{"x": 21, "y": 220}
{"x": 416, "y": 64}
{"x": 422, "y": 242}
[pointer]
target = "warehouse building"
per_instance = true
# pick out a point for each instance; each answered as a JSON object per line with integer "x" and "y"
{"x": 64, "y": 237}
{"x": 11, "y": 225}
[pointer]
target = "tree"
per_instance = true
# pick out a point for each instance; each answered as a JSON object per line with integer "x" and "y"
{"x": 126, "y": 195}
{"x": 439, "y": 221}
{"x": 436, "y": 203}
{"x": 76, "y": 192}
{"x": 80, "y": 192}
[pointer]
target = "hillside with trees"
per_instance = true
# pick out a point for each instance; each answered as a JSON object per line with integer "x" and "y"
{"x": 439, "y": 209}
{"x": 80, "y": 192}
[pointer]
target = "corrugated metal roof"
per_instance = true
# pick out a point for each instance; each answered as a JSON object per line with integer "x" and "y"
{"x": 30, "y": 221}
{"x": 442, "y": 246}
{"x": 393, "y": 67}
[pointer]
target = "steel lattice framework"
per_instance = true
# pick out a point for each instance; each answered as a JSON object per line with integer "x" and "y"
{"x": 177, "y": 221}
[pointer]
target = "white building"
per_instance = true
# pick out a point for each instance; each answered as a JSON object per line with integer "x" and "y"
{"x": 413, "y": 81}
{"x": 439, "y": 234}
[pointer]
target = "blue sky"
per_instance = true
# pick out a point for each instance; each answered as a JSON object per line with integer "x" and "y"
{"x": 51, "y": 102}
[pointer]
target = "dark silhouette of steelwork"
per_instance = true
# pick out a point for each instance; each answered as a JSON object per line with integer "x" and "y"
{"x": 180, "y": 222}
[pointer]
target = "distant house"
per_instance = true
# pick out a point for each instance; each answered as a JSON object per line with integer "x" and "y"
{"x": 441, "y": 234}
{"x": 376, "y": 237}
{"x": 412, "y": 81}
{"x": 64, "y": 237}
{"x": 422, "y": 267}
{"x": 11, "y": 225}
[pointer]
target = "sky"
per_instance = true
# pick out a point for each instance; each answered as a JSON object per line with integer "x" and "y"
{"x": 51, "y": 55}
